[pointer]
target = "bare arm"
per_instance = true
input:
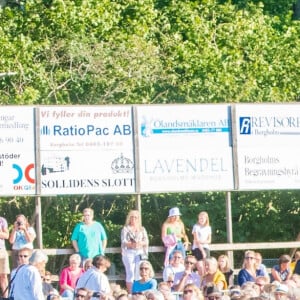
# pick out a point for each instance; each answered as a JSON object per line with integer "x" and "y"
{"x": 75, "y": 245}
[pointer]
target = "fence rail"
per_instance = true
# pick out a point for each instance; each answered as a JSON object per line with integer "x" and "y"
{"x": 213, "y": 247}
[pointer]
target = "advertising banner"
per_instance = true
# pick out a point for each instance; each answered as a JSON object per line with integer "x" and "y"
{"x": 184, "y": 148}
{"x": 268, "y": 146}
{"x": 17, "y": 159}
{"x": 86, "y": 149}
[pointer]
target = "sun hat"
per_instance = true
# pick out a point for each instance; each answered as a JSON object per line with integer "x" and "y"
{"x": 282, "y": 288}
{"x": 174, "y": 212}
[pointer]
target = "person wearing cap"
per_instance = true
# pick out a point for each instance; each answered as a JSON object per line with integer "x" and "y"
{"x": 282, "y": 272}
{"x": 281, "y": 292}
{"x": 173, "y": 230}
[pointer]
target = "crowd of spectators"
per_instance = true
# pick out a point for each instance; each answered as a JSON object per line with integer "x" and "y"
{"x": 194, "y": 275}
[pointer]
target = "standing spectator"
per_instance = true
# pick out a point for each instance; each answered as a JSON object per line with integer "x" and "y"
{"x": 147, "y": 280}
{"x": 248, "y": 271}
{"x": 21, "y": 236}
{"x": 89, "y": 237}
{"x": 213, "y": 275}
{"x": 27, "y": 283}
{"x": 173, "y": 226}
{"x": 187, "y": 275}
{"x": 282, "y": 272}
{"x": 224, "y": 267}
{"x": 134, "y": 245}
{"x": 202, "y": 237}
{"x": 94, "y": 278}
{"x": 69, "y": 276}
{"x": 176, "y": 265}
{"x": 4, "y": 262}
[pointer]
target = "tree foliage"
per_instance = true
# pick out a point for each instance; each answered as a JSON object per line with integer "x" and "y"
{"x": 150, "y": 51}
{"x": 100, "y": 52}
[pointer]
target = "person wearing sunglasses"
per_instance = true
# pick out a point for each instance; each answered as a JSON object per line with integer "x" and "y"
{"x": 147, "y": 281}
{"x": 249, "y": 272}
{"x": 192, "y": 292}
{"x": 187, "y": 276}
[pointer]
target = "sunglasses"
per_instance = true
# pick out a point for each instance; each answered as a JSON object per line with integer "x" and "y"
{"x": 144, "y": 268}
{"x": 189, "y": 263}
{"x": 79, "y": 296}
{"x": 187, "y": 292}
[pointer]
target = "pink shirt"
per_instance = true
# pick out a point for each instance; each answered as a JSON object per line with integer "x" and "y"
{"x": 69, "y": 277}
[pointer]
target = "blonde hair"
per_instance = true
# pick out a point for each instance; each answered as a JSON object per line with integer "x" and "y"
{"x": 226, "y": 259}
{"x": 204, "y": 213}
{"x": 195, "y": 289}
{"x": 147, "y": 264}
{"x": 131, "y": 213}
{"x": 90, "y": 210}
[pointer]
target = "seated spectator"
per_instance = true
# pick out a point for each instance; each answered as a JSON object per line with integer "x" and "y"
{"x": 261, "y": 281}
{"x": 47, "y": 285}
{"x": 192, "y": 292}
{"x": 262, "y": 269}
{"x": 147, "y": 280}
{"x": 88, "y": 263}
{"x": 212, "y": 292}
{"x": 282, "y": 272}
{"x": 165, "y": 289}
{"x": 281, "y": 292}
{"x": 224, "y": 267}
{"x": 82, "y": 294}
{"x": 154, "y": 295}
{"x": 94, "y": 278}
{"x": 176, "y": 265}
{"x": 235, "y": 292}
{"x": 294, "y": 262}
{"x": 250, "y": 289}
{"x": 69, "y": 276}
{"x": 182, "y": 278}
{"x": 248, "y": 271}
{"x": 53, "y": 296}
{"x": 213, "y": 274}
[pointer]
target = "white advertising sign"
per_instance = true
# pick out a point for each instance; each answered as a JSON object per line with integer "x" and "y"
{"x": 184, "y": 148}
{"x": 268, "y": 146}
{"x": 17, "y": 159}
{"x": 86, "y": 149}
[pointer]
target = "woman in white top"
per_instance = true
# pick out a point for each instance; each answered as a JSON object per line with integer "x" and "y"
{"x": 134, "y": 244}
{"x": 201, "y": 237}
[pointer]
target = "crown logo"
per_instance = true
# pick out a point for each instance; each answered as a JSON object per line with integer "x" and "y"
{"x": 122, "y": 165}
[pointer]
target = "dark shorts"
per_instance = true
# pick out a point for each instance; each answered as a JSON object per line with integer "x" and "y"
{"x": 198, "y": 254}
